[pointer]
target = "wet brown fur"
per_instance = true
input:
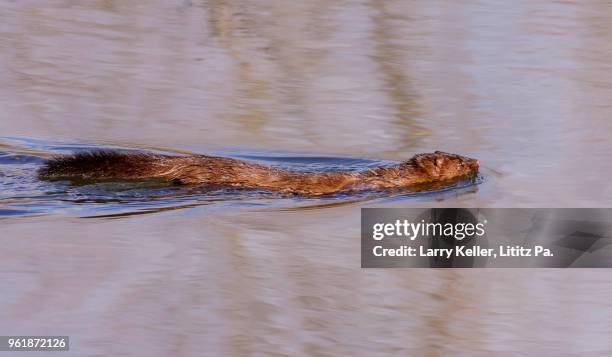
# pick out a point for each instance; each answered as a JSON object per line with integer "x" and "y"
{"x": 438, "y": 167}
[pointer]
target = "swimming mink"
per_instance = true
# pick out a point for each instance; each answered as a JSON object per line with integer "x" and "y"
{"x": 436, "y": 169}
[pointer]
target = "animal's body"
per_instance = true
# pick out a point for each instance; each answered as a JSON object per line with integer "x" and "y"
{"x": 201, "y": 170}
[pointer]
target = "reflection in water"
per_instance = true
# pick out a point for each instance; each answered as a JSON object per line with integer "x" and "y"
{"x": 523, "y": 86}
{"x": 396, "y": 83}
{"x": 231, "y": 27}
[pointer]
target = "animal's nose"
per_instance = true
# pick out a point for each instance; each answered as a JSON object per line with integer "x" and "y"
{"x": 477, "y": 163}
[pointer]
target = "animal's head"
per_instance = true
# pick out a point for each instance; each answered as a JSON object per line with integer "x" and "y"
{"x": 444, "y": 166}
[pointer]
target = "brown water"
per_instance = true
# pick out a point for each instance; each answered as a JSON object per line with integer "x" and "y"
{"x": 524, "y": 86}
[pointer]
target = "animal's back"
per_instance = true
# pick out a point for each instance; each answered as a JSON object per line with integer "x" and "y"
{"x": 189, "y": 170}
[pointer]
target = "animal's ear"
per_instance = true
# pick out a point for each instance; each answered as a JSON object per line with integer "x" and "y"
{"x": 420, "y": 161}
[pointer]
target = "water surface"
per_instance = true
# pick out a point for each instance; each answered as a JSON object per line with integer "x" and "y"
{"x": 523, "y": 86}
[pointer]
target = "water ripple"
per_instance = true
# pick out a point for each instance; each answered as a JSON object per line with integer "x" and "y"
{"x": 22, "y": 194}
